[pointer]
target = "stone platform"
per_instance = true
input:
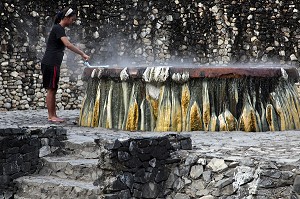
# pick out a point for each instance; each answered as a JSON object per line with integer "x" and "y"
{"x": 102, "y": 163}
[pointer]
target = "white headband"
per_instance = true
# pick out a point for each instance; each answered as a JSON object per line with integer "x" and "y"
{"x": 68, "y": 12}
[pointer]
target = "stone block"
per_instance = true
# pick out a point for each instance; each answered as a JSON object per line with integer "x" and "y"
{"x": 160, "y": 153}
{"x": 224, "y": 182}
{"x": 12, "y": 150}
{"x": 112, "y": 145}
{"x": 146, "y": 150}
{"x": 25, "y": 167}
{"x": 196, "y": 171}
{"x": 55, "y": 142}
{"x": 217, "y": 165}
{"x": 4, "y": 179}
{"x": 143, "y": 143}
{"x": 133, "y": 163}
{"x": 186, "y": 144}
{"x": 181, "y": 196}
{"x": 150, "y": 190}
{"x": 123, "y": 156}
{"x": 127, "y": 178}
{"x": 137, "y": 186}
{"x": 17, "y": 142}
{"x": 111, "y": 196}
{"x": 49, "y": 132}
{"x": 137, "y": 193}
{"x": 10, "y": 168}
{"x": 27, "y": 149}
{"x": 162, "y": 175}
{"x": 61, "y": 132}
{"x": 118, "y": 185}
{"x": 124, "y": 194}
{"x": 16, "y": 131}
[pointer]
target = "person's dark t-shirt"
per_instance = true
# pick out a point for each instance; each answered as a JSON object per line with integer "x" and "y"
{"x": 55, "y": 47}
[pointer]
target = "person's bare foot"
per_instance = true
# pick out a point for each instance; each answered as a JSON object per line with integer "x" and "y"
{"x": 56, "y": 120}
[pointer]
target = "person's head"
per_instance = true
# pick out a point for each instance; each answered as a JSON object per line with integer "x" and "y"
{"x": 67, "y": 15}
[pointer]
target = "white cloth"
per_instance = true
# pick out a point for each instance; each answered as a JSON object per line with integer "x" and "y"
{"x": 68, "y": 12}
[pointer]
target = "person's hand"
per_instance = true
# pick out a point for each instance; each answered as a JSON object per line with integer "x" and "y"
{"x": 85, "y": 57}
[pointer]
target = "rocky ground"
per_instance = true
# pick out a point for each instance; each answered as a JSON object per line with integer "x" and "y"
{"x": 220, "y": 165}
{"x": 276, "y": 146}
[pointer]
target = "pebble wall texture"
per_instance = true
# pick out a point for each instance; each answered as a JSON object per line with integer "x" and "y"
{"x": 140, "y": 32}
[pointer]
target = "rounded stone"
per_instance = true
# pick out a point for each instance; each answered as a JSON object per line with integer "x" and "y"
{"x": 7, "y": 105}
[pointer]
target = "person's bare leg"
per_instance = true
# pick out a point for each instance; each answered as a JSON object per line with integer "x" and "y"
{"x": 51, "y": 105}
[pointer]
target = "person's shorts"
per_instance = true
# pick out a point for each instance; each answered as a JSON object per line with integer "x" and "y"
{"x": 50, "y": 76}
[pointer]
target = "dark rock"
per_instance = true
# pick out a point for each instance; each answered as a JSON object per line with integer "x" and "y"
{"x": 144, "y": 157}
{"x": 10, "y": 168}
{"x": 164, "y": 142}
{"x": 61, "y": 132}
{"x": 271, "y": 173}
{"x": 118, "y": 185}
{"x": 150, "y": 190}
{"x": 124, "y": 194}
{"x": 140, "y": 176}
{"x": 49, "y": 132}
{"x": 127, "y": 178}
{"x": 133, "y": 148}
{"x": 54, "y": 142}
{"x": 172, "y": 161}
{"x": 224, "y": 182}
{"x": 186, "y": 144}
{"x": 13, "y": 150}
{"x": 4, "y": 179}
{"x": 266, "y": 183}
{"x": 29, "y": 156}
{"x": 133, "y": 163}
{"x": 26, "y": 166}
{"x": 143, "y": 143}
{"x": 16, "y": 131}
{"x": 111, "y": 196}
{"x": 30, "y": 92}
{"x": 110, "y": 146}
{"x": 137, "y": 186}
{"x": 160, "y": 153}
{"x": 153, "y": 142}
{"x": 146, "y": 150}
{"x": 286, "y": 175}
{"x": 26, "y": 149}
{"x": 137, "y": 194}
{"x": 123, "y": 156}
{"x": 162, "y": 175}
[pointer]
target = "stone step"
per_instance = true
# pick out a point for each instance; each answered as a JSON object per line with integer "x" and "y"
{"x": 69, "y": 167}
{"x": 82, "y": 146}
{"x": 42, "y": 187}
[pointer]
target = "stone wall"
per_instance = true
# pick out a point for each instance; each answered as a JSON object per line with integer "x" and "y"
{"x": 136, "y": 32}
{"x": 141, "y": 166}
{"x": 166, "y": 167}
{"x": 20, "y": 150}
{"x": 163, "y": 166}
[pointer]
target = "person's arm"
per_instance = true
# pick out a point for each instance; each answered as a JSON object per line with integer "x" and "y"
{"x": 73, "y": 48}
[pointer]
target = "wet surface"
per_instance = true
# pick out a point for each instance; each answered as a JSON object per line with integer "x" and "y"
{"x": 282, "y": 147}
{"x": 201, "y": 71}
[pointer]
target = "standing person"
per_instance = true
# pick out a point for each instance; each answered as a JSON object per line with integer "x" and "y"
{"x": 57, "y": 41}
